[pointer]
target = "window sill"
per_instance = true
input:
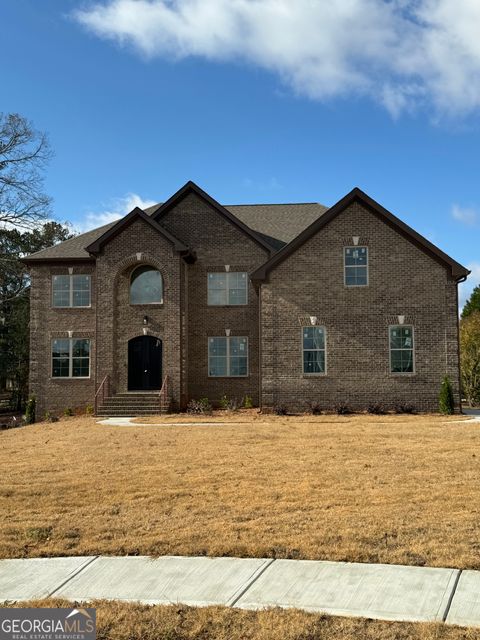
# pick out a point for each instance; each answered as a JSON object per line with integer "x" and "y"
{"x": 228, "y": 377}
{"x": 226, "y": 306}
{"x": 146, "y": 304}
{"x": 406, "y": 374}
{"x": 314, "y": 375}
{"x": 70, "y": 308}
{"x": 55, "y": 378}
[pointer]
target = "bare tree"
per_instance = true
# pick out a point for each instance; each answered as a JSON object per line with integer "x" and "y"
{"x": 24, "y": 153}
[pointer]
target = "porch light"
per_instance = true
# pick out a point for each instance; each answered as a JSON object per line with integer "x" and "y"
{"x": 145, "y": 320}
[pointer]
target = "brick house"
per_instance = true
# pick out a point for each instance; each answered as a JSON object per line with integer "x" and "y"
{"x": 288, "y": 304}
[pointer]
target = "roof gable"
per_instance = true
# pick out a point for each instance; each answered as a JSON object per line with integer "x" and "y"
{"x": 137, "y": 213}
{"x": 457, "y": 270}
{"x": 191, "y": 187}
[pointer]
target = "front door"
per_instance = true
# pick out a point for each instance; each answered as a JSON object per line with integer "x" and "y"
{"x": 144, "y": 363}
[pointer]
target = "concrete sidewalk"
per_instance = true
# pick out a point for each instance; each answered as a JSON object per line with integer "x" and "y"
{"x": 388, "y": 592}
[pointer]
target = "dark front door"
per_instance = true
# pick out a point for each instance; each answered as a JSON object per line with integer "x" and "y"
{"x": 144, "y": 363}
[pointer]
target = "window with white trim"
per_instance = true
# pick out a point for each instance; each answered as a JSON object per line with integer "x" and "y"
{"x": 227, "y": 288}
{"x": 401, "y": 349}
{"x": 71, "y": 290}
{"x": 228, "y": 357}
{"x": 355, "y": 266}
{"x": 314, "y": 351}
{"x": 70, "y": 358}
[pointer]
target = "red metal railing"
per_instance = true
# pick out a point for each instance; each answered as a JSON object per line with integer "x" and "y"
{"x": 164, "y": 401}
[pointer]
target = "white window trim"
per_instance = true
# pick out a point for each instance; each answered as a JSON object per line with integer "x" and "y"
{"x": 401, "y": 373}
{"x": 350, "y": 286}
{"x": 70, "y": 292}
{"x": 228, "y": 338}
{"x": 70, "y": 359}
{"x": 323, "y": 373}
{"x": 227, "y": 278}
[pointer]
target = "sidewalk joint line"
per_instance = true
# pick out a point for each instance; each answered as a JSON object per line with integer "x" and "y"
{"x": 233, "y": 601}
{"x": 450, "y": 600}
{"x": 73, "y": 575}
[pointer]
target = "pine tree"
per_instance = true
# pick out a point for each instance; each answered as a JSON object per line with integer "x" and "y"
{"x": 473, "y": 303}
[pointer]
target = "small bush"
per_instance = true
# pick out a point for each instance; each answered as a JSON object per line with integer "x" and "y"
{"x": 280, "y": 410}
{"x": 30, "y": 410}
{"x": 224, "y": 401}
{"x": 247, "y": 403}
{"x": 376, "y": 408}
{"x": 89, "y": 410}
{"x": 342, "y": 409}
{"x": 68, "y": 411}
{"x": 405, "y": 407}
{"x": 446, "y": 401}
{"x": 201, "y": 406}
{"x": 50, "y": 417}
{"x": 314, "y": 408}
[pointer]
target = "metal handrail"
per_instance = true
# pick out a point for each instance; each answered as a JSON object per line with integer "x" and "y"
{"x": 101, "y": 388}
{"x": 164, "y": 390}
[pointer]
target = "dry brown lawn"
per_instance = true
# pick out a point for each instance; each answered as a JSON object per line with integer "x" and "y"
{"x": 394, "y": 489}
{"x": 122, "y": 621}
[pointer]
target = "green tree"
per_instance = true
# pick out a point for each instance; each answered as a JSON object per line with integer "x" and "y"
{"x": 473, "y": 303}
{"x": 470, "y": 357}
{"x": 15, "y": 302}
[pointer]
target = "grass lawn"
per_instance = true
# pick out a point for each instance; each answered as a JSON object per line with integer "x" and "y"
{"x": 394, "y": 489}
{"x": 124, "y": 621}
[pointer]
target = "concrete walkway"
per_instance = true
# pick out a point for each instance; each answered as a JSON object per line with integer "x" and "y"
{"x": 388, "y": 592}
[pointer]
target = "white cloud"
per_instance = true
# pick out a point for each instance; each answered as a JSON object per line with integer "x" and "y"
{"x": 467, "y": 287}
{"x": 401, "y": 53}
{"x": 466, "y": 215}
{"x": 115, "y": 209}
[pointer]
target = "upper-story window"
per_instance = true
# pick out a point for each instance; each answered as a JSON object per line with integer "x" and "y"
{"x": 401, "y": 349}
{"x": 356, "y": 266}
{"x": 71, "y": 290}
{"x": 227, "y": 288}
{"x": 146, "y": 286}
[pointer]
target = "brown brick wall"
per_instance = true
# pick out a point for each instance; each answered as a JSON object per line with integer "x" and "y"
{"x": 47, "y": 323}
{"x": 217, "y": 243}
{"x": 403, "y": 280}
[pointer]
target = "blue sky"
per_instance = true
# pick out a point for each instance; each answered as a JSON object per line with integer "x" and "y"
{"x": 137, "y": 101}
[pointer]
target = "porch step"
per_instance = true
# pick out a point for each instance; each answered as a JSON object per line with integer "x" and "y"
{"x": 132, "y": 404}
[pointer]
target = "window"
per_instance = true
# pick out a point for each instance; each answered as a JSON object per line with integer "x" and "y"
{"x": 228, "y": 357}
{"x": 70, "y": 358}
{"x": 356, "y": 266}
{"x": 146, "y": 286}
{"x": 401, "y": 349}
{"x": 229, "y": 288}
{"x": 71, "y": 291}
{"x": 314, "y": 356}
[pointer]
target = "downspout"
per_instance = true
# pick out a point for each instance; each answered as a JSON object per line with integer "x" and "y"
{"x": 457, "y": 282}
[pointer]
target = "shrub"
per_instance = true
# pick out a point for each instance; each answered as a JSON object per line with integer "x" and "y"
{"x": 89, "y": 410}
{"x": 229, "y": 404}
{"x": 376, "y": 408}
{"x": 446, "y": 400}
{"x": 68, "y": 411}
{"x": 50, "y": 417}
{"x": 342, "y": 409}
{"x": 404, "y": 407}
{"x": 224, "y": 402}
{"x": 30, "y": 410}
{"x": 280, "y": 410}
{"x": 201, "y": 406}
{"x": 314, "y": 408}
{"x": 247, "y": 403}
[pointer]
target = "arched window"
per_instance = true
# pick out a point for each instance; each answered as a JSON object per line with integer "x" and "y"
{"x": 146, "y": 286}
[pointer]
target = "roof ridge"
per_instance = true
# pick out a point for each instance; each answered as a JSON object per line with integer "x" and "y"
{"x": 272, "y": 204}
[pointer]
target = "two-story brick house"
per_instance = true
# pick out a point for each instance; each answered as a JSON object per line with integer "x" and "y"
{"x": 288, "y": 304}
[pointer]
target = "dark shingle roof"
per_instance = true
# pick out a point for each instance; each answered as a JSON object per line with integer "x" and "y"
{"x": 275, "y": 223}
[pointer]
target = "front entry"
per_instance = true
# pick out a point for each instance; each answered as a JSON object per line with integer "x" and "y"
{"x": 144, "y": 364}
